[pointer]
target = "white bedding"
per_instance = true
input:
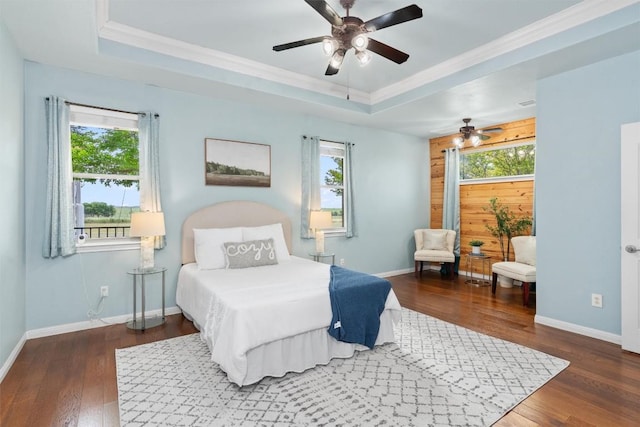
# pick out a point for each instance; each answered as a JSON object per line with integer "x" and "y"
{"x": 240, "y": 310}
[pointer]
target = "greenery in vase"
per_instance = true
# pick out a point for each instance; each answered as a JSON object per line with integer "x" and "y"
{"x": 476, "y": 243}
{"x": 507, "y": 225}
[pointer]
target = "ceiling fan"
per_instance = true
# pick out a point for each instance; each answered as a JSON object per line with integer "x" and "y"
{"x": 469, "y": 132}
{"x": 351, "y": 31}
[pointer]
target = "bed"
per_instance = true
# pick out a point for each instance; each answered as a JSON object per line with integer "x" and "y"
{"x": 266, "y": 320}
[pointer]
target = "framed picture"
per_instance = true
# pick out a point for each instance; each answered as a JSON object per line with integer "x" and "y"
{"x": 237, "y": 163}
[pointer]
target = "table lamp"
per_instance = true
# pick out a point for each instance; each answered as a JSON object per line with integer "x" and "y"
{"x": 147, "y": 225}
{"x": 317, "y": 221}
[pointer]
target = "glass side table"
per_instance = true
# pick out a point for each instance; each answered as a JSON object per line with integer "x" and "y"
{"x": 485, "y": 261}
{"x": 318, "y": 256}
{"x": 144, "y": 323}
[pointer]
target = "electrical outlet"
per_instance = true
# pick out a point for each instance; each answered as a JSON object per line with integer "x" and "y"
{"x": 341, "y": 261}
{"x": 596, "y": 300}
{"x": 104, "y": 291}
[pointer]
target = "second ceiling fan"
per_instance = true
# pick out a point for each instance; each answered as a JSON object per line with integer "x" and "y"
{"x": 352, "y": 32}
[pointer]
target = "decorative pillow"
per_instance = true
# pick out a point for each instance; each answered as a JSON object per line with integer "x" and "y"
{"x": 434, "y": 240}
{"x": 526, "y": 250}
{"x": 208, "y": 249}
{"x": 273, "y": 231}
{"x": 251, "y": 253}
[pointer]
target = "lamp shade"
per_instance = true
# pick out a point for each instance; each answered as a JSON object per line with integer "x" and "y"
{"x": 147, "y": 224}
{"x": 319, "y": 220}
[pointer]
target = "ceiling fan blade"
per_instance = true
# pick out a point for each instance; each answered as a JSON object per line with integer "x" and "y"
{"x": 331, "y": 70}
{"x": 299, "y": 43}
{"x": 483, "y": 137}
{"x": 393, "y": 18}
{"x": 492, "y": 130}
{"x": 387, "y": 51}
{"x": 326, "y": 11}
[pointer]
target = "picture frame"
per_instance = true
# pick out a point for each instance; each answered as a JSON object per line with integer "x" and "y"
{"x": 237, "y": 163}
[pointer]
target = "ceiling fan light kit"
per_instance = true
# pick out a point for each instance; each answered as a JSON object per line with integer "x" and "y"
{"x": 469, "y": 133}
{"x": 351, "y": 32}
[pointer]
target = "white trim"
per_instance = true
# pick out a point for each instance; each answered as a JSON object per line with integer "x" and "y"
{"x": 394, "y": 272}
{"x": 514, "y": 178}
{"x": 12, "y": 357}
{"x": 104, "y": 245}
{"x": 578, "y": 329}
{"x": 91, "y": 324}
{"x": 564, "y": 20}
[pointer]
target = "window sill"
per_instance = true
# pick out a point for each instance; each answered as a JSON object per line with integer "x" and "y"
{"x": 108, "y": 246}
{"x": 335, "y": 233}
{"x": 497, "y": 179}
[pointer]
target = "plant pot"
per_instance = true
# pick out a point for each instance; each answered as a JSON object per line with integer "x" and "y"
{"x": 475, "y": 250}
{"x": 505, "y": 282}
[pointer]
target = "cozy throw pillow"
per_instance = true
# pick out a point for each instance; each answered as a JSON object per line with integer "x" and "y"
{"x": 525, "y": 250}
{"x": 252, "y": 253}
{"x": 434, "y": 240}
{"x": 208, "y": 249}
{"x": 272, "y": 231}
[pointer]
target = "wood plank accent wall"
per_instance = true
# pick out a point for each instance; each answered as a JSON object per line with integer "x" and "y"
{"x": 518, "y": 195}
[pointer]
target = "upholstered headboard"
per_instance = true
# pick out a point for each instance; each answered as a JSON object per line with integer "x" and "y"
{"x": 231, "y": 214}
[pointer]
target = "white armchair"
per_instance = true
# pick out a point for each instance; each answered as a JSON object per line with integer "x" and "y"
{"x": 434, "y": 245}
{"x": 524, "y": 267}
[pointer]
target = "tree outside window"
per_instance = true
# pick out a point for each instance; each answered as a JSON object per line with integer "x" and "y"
{"x": 502, "y": 162}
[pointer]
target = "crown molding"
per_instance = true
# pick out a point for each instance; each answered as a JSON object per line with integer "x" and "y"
{"x": 130, "y": 36}
{"x": 564, "y": 20}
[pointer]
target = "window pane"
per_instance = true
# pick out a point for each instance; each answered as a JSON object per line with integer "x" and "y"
{"x": 104, "y": 151}
{"x": 331, "y": 200}
{"x": 504, "y": 162}
{"x": 331, "y": 170}
{"x": 104, "y": 211}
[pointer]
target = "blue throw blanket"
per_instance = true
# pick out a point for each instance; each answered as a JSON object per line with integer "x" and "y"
{"x": 357, "y": 300}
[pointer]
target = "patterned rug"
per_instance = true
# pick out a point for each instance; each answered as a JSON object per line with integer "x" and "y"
{"x": 437, "y": 374}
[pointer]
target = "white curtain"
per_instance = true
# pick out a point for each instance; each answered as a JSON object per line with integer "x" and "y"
{"x": 311, "y": 185}
{"x": 347, "y": 177}
{"x": 310, "y": 182}
{"x": 59, "y": 238}
{"x": 149, "y": 145}
{"x": 451, "y": 201}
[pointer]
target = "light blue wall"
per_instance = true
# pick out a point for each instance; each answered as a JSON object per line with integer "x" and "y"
{"x": 12, "y": 248}
{"x": 391, "y": 173}
{"x": 578, "y": 189}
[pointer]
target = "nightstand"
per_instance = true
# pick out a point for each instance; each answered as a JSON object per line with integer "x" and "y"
{"x": 144, "y": 323}
{"x": 317, "y": 257}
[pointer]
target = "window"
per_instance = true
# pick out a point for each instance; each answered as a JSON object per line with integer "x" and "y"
{"x": 105, "y": 164}
{"x": 332, "y": 194}
{"x": 512, "y": 162}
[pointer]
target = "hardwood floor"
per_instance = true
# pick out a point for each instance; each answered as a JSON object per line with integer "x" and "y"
{"x": 70, "y": 379}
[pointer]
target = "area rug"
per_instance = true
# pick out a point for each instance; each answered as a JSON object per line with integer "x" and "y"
{"x": 436, "y": 374}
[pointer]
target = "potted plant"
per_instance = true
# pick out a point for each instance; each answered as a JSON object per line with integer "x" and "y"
{"x": 507, "y": 226}
{"x": 475, "y": 246}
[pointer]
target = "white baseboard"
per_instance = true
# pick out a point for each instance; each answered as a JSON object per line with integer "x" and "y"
{"x": 90, "y": 324}
{"x": 394, "y": 273}
{"x": 12, "y": 357}
{"x": 578, "y": 329}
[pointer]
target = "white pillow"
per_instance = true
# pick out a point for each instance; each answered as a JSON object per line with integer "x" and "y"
{"x": 208, "y": 246}
{"x": 273, "y": 231}
{"x": 526, "y": 252}
{"x": 434, "y": 240}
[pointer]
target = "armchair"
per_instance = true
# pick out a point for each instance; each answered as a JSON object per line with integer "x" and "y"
{"x": 524, "y": 267}
{"x": 434, "y": 245}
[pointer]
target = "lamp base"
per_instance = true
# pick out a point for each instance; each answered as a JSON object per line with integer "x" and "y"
{"x": 146, "y": 252}
{"x": 319, "y": 241}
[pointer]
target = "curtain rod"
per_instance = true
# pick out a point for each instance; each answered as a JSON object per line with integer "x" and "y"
{"x": 105, "y": 108}
{"x": 327, "y": 140}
